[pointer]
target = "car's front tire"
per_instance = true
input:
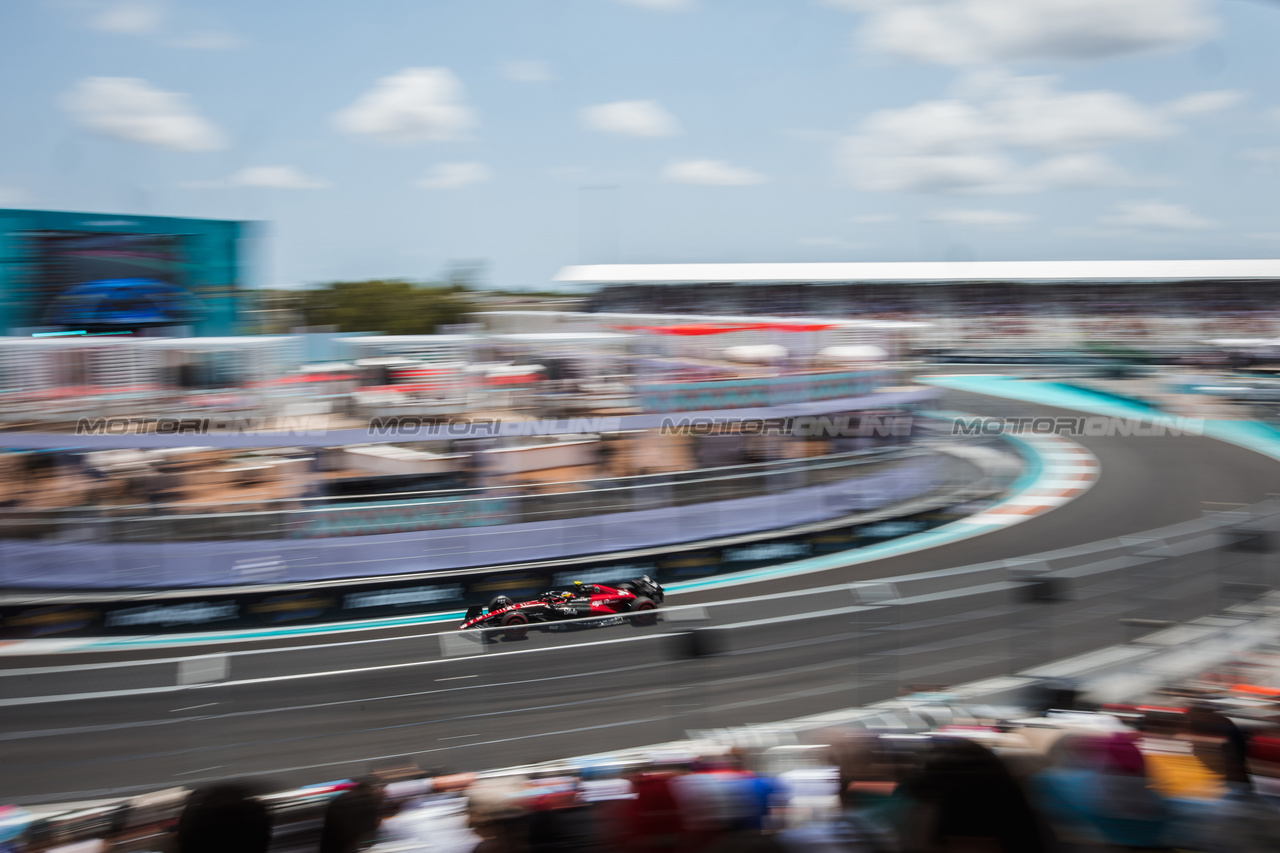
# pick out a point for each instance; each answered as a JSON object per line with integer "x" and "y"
{"x": 517, "y": 626}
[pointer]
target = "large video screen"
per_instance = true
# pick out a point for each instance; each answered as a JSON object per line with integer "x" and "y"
{"x": 114, "y": 282}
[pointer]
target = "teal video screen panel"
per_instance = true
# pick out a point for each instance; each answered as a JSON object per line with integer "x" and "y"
{"x": 106, "y": 282}
{"x": 112, "y": 274}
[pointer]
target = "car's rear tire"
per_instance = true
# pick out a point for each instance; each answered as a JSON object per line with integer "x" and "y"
{"x": 499, "y": 602}
{"x": 517, "y": 626}
{"x": 646, "y": 608}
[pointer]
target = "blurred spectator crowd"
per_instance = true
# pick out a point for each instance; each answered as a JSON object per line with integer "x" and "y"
{"x": 896, "y": 300}
{"x": 1146, "y": 778}
{"x": 975, "y": 313}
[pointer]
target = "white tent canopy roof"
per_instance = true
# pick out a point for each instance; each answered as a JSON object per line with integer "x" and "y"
{"x": 864, "y": 352}
{"x": 755, "y": 352}
{"x": 922, "y": 271}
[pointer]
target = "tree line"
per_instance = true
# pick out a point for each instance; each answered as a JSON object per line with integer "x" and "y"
{"x": 390, "y": 306}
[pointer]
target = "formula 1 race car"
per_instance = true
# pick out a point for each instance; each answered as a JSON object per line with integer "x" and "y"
{"x": 585, "y": 600}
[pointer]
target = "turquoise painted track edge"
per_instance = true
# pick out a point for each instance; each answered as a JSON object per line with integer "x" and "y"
{"x": 1256, "y": 436}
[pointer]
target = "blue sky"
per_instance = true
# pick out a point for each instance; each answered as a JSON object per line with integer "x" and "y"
{"x": 397, "y": 137}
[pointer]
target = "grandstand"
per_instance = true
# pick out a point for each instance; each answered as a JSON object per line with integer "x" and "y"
{"x": 998, "y": 303}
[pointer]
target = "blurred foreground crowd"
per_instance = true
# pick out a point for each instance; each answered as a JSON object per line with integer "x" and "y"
{"x": 1132, "y": 779}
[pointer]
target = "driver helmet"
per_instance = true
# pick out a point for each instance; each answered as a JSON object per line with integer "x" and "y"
{"x": 567, "y": 595}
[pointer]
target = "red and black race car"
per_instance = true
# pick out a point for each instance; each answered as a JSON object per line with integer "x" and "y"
{"x": 585, "y": 600}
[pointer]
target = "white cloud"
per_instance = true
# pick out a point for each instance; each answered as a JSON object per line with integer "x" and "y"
{"x": 979, "y": 216}
{"x": 970, "y": 32}
{"x": 277, "y": 177}
{"x": 527, "y": 71}
{"x": 1156, "y": 214}
{"x": 1029, "y": 112}
{"x": 631, "y": 118}
{"x": 413, "y": 105}
{"x": 1200, "y": 103}
{"x": 873, "y": 218}
{"x": 129, "y": 17}
{"x": 151, "y": 18}
{"x": 886, "y": 172}
{"x": 449, "y": 176}
{"x": 661, "y": 5}
{"x": 999, "y": 133}
{"x": 133, "y": 109}
{"x": 711, "y": 173}
{"x": 1071, "y": 171}
{"x": 270, "y": 177}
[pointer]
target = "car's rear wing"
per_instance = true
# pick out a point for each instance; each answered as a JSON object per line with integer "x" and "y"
{"x": 647, "y": 587}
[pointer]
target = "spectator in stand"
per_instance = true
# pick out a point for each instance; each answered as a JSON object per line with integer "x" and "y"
{"x": 429, "y": 809}
{"x": 864, "y": 824}
{"x": 964, "y": 799}
{"x": 1204, "y": 769}
{"x": 561, "y": 820}
{"x": 351, "y": 819}
{"x": 651, "y": 820}
{"x": 1097, "y": 792}
{"x": 223, "y": 818}
{"x": 716, "y": 801}
{"x": 1176, "y": 762}
{"x": 499, "y": 814}
{"x": 1219, "y": 738}
{"x": 1242, "y": 821}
